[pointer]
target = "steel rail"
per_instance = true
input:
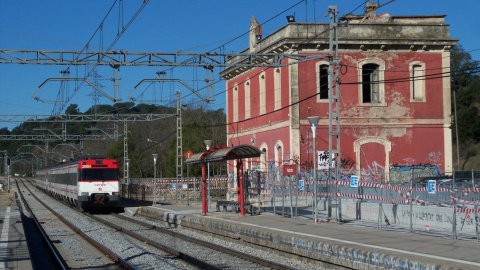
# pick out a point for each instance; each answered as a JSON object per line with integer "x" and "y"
{"x": 165, "y": 248}
{"x": 58, "y": 259}
{"x": 107, "y": 252}
{"x": 210, "y": 245}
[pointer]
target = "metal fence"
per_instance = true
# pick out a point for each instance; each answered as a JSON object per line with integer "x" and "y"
{"x": 450, "y": 211}
{"x": 184, "y": 191}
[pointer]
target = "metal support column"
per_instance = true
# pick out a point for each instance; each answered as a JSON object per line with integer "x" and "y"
{"x": 64, "y": 132}
{"x": 116, "y": 83}
{"x": 125, "y": 150}
{"x": 333, "y": 98}
{"x": 210, "y": 80}
{"x": 46, "y": 153}
{"x": 179, "y": 142}
{"x": 204, "y": 190}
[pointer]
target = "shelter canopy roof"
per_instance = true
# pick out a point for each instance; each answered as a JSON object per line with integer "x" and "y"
{"x": 224, "y": 153}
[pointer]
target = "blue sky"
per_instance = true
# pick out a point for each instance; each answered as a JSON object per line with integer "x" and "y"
{"x": 166, "y": 26}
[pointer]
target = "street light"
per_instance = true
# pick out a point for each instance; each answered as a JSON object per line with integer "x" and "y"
{"x": 313, "y": 125}
{"x": 208, "y": 143}
{"x": 155, "y": 178}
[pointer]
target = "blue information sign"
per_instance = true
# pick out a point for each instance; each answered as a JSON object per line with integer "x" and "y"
{"x": 301, "y": 185}
{"x": 432, "y": 186}
{"x": 354, "y": 181}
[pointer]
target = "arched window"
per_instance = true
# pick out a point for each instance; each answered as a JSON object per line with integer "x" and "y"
{"x": 371, "y": 82}
{"x": 279, "y": 154}
{"x": 263, "y": 94}
{"x": 417, "y": 82}
{"x": 263, "y": 160}
{"x": 235, "y": 103}
{"x": 247, "y": 98}
{"x": 322, "y": 81}
{"x": 278, "y": 88}
{"x": 383, "y": 143}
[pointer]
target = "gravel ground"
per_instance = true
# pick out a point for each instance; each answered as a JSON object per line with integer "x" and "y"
{"x": 75, "y": 251}
{"x": 247, "y": 249}
{"x": 7, "y": 198}
{"x": 203, "y": 253}
{"x": 81, "y": 255}
{"x": 137, "y": 253}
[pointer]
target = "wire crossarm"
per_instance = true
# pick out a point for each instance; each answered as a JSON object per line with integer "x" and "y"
{"x": 170, "y": 59}
{"x": 84, "y": 118}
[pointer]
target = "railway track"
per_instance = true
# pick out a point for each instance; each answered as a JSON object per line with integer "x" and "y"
{"x": 198, "y": 252}
{"x": 62, "y": 257}
{"x": 136, "y": 244}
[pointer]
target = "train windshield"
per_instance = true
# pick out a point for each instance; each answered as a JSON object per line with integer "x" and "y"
{"x": 98, "y": 174}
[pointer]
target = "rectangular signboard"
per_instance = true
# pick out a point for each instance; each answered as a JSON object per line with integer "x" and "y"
{"x": 289, "y": 169}
{"x": 322, "y": 160}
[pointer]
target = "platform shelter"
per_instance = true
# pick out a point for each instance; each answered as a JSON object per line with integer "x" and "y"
{"x": 223, "y": 153}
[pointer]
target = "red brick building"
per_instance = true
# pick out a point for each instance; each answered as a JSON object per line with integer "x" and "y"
{"x": 394, "y": 96}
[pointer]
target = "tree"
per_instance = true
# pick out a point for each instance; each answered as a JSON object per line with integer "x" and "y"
{"x": 463, "y": 68}
{"x": 466, "y": 84}
{"x": 72, "y": 109}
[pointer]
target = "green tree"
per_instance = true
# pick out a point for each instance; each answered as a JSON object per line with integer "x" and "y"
{"x": 72, "y": 109}
{"x": 466, "y": 86}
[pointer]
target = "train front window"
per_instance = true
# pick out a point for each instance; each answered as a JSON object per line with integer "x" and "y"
{"x": 98, "y": 174}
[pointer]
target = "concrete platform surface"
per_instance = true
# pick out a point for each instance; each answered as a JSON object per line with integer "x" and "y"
{"x": 347, "y": 245}
{"x": 14, "y": 252}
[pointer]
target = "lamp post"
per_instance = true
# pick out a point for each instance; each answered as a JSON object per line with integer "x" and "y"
{"x": 208, "y": 144}
{"x": 155, "y": 178}
{"x": 313, "y": 120}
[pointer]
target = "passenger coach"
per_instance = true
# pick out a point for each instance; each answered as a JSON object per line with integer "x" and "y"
{"x": 88, "y": 183}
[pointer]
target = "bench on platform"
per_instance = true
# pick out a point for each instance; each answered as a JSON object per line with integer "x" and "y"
{"x": 231, "y": 206}
{"x": 228, "y": 206}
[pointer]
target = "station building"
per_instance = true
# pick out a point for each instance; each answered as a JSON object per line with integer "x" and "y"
{"x": 394, "y": 96}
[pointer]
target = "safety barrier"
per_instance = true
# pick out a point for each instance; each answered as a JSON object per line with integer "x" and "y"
{"x": 406, "y": 205}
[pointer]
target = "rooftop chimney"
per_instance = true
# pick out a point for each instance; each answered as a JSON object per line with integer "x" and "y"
{"x": 371, "y": 7}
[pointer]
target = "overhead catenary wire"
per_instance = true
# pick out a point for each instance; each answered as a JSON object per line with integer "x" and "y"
{"x": 299, "y": 48}
{"x": 230, "y": 88}
{"x": 450, "y": 73}
{"x": 119, "y": 35}
{"x": 232, "y": 40}
{"x": 406, "y": 79}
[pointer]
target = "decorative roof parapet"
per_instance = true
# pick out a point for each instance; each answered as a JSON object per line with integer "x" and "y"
{"x": 396, "y": 33}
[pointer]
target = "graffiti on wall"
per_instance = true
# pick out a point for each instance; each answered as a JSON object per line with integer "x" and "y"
{"x": 347, "y": 163}
{"x": 435, "y": 158}
{"x": 438, "y": 217}
{"x": 400, "y": 173}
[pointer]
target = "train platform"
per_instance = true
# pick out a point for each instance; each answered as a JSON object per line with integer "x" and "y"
{"x": 14, "y": 252}
{"x": 346, "y": 245}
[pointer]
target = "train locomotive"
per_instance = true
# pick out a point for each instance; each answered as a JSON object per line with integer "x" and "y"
{"x": 89, "y": 183}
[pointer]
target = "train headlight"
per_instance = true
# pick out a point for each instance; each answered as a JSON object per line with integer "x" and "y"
{"x": 84, "y": 193}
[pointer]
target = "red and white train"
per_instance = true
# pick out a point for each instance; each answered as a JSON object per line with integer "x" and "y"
{"x": 89, "y": 183}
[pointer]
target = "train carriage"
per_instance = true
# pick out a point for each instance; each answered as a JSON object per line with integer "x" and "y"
{"x": 89, "y": 183}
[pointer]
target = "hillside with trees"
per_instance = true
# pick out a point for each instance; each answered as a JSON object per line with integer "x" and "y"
{"x": 144, "y": 139}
